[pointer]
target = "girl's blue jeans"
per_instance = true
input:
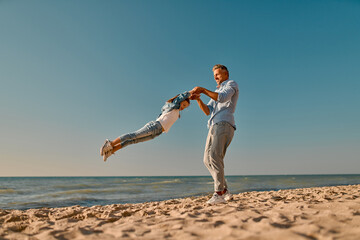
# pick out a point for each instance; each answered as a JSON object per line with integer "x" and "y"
{"x": 149, "y": 131}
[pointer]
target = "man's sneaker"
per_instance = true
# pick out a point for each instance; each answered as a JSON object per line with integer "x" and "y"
{"x": 106, "y": 147}
{"x": 215, "y": 199}
{"x": 106, "y": 155}
{"x": 227, "y": 195}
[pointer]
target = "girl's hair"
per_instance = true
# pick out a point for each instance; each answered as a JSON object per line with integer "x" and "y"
{"x": 188, "y": 100}
{"x": 172, "y": 99}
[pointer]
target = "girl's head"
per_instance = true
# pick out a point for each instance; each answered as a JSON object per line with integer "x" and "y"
{"x": 184, "y": 104}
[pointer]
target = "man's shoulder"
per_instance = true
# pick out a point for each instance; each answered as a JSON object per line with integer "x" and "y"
{"x": 231, "y": 83}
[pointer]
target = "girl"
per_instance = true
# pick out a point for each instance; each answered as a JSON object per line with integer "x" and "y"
{"x": 170, "y": 112}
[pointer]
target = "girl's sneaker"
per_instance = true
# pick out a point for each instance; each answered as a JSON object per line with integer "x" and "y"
{"x": 106, "y": 155}
{"x": 106, "y": 147}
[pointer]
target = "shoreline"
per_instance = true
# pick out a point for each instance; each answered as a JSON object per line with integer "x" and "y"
{"x": 26, "y": 193}
{"x": 302, "y": 213}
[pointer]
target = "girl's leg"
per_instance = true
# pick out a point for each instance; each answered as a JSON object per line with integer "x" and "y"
{"x": 149, "y": 131}
{"x": 144, "y": 131}
{"x": 115, "y": 142}
{"x": 116, "y": 148}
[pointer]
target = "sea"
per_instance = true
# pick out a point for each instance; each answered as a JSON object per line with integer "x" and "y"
{"x": 38, "y": 192}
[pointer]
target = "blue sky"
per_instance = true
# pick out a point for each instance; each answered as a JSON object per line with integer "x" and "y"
{"x": 73, "y": 73}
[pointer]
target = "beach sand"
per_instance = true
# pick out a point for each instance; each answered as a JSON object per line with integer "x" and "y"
{"x": 309, "y": 213}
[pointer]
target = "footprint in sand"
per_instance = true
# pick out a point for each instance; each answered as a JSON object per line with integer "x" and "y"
{"x": 281, "y": 225}
{"x": 218, "y": 223}
{"x": 258, "y": 219}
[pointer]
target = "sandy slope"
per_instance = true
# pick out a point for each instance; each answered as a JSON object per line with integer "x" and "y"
{"x": 310, "y": 213}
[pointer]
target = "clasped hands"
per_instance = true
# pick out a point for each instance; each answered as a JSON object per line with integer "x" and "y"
{"x": 195, "y": 93}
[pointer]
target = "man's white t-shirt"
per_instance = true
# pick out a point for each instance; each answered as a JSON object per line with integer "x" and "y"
{"x": 168, "y": 119}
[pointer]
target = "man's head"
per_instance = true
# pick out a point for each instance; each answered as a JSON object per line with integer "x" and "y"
{"x": 221, "y": 73}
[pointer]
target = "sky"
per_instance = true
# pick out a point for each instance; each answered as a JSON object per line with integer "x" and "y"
{"x": 73, "y": 73}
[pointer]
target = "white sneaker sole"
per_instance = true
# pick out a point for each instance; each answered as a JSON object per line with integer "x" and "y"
{"x": 217, "y": 202}
{"x": 106, "y": 156}
{"x": 228, "y": 198}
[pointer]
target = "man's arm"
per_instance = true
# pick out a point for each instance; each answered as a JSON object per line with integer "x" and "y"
{"x": 222, "y": 96}
{"x": 203, "y": 106}
{"x": 210, "y": 94}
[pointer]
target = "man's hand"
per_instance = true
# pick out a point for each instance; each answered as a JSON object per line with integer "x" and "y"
{"x": 196, "y": 90}
{"x": 201, "y": 90}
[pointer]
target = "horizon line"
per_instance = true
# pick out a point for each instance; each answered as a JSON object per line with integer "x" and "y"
{"x": 316, "y": 174}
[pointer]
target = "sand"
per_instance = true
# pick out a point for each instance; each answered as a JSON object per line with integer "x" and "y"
{"x": 309, "y": 213}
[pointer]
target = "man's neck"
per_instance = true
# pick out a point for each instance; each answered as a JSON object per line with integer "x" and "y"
{"x": 219, "y": 85}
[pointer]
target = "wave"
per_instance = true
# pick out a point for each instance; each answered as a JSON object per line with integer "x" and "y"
{"x": 166, "y": 182}
{"x": 152, "y": 183}
{"x": 76, "y": 186}
{"x": 8, "y": 190}
{"x": 94, "y": 191}
{"x": 81, "y": 191}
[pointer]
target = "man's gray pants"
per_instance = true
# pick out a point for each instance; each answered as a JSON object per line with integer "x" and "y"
{"x": 218, "y": 140}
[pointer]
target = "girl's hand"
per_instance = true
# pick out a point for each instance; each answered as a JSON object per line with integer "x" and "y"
{"x": 194, "y": 96}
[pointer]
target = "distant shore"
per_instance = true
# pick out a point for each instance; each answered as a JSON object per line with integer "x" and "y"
{"x": 307, "y": 213}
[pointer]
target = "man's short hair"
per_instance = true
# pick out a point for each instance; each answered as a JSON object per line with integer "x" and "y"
{"x": 217, "y": 66}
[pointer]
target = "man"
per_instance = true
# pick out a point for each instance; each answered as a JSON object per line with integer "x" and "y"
{"x": 221, "y": 124}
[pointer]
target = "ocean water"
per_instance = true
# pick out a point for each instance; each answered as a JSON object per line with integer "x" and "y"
{"x": 37, "y": 192}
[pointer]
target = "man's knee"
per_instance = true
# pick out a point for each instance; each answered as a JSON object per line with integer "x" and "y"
{"x": 206, "y": 159}
{"x": 216, "y": 163}
{"x": 216, "y": 155}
